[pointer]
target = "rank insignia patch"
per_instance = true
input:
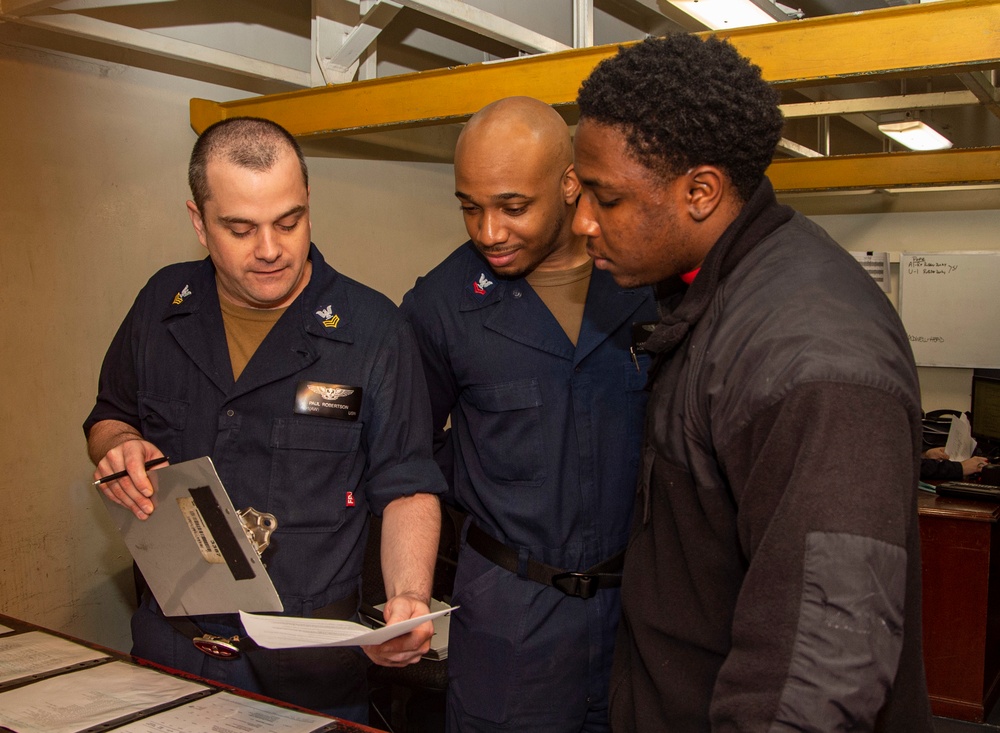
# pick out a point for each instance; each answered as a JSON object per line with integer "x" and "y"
{"x": 327, "y": 317}
{"x": 184, "y": 293}
{"x": 481, "y": 287}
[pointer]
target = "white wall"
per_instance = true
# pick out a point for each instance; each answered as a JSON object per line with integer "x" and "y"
{"x": 92, "y": 191}
{"x": 930, "y": 231}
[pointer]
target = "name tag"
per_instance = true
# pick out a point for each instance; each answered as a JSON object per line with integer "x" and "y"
{"x": 640, "y": 335}
{"x": 339, "y": 401}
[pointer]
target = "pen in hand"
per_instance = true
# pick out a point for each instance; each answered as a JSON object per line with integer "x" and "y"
{"x": 122, "y": 474}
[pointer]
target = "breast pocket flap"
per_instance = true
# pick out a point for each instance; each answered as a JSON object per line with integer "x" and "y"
{"x": 315, "y": 434}
{"x": 519, "y": 395}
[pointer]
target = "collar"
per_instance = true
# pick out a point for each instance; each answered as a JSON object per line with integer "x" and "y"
{"x": 323, "y": 307}
{"x": 481, "y": 286}
{"x": 760, "y": 216}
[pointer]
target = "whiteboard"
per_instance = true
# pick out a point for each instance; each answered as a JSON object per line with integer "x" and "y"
{"x": 950, "y": 306}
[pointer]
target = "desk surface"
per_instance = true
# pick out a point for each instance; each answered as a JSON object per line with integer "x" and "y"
{"x": 933, "y": 505}
{"x": 109, "y": 656}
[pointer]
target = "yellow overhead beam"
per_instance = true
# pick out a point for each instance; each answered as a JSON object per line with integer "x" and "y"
{"x": 954, "y": 36}
{"x": 973, "y": 166}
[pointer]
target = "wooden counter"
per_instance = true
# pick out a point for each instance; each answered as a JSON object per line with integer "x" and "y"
{"x": 960, "y": 555}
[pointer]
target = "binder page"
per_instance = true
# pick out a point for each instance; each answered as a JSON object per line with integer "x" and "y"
{"x": 227, "y": 713}
{"x": 75, "y": 701}
{"x": 36, "y": 652}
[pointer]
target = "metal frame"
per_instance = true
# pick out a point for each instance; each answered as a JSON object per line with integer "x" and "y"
{"x": 887, "y": 43}
{"x": 887, "y": 170}
{"x": 338, "y": 50}
{"x": 881, "y": 44}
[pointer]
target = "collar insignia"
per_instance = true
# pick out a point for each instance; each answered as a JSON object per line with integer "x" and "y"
{"x": 179, "y": 298}
{"x": 328, "y": 317}
{"x": 480, "y": 287}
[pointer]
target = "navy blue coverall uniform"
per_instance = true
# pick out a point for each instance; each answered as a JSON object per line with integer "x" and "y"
{"x": 542, "y": 453}
{"x": 168, "y": 374}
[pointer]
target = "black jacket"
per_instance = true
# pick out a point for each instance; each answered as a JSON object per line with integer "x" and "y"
{"x": 932, "y": 469}
{"x": 772, "y": 580}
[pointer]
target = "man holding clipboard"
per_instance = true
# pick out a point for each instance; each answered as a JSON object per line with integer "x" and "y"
{"x": 304, "y": 388}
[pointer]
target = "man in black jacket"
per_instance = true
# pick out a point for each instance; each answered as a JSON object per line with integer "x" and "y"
{"x": 769, "y": 584}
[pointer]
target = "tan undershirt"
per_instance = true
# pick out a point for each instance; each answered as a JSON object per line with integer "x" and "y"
{"x": 564, "y": 293}
{"x": 245, "y": 330}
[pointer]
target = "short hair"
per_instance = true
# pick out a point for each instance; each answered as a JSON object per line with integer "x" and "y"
{"x": 681, "y": 101}
{"x": 249, "y": 142}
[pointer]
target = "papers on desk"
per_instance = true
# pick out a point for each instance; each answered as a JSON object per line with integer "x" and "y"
{"x": 53, "y": 685}
{"x": 35, "y": 653}
{"x": 285, "y": 632}
{"x": 226, "y": 713}
{"x": 76, "y": 701}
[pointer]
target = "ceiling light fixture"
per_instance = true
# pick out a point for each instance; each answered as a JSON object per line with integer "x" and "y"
{"x": 915, "y": 135}
{"x": 721, "y": 14}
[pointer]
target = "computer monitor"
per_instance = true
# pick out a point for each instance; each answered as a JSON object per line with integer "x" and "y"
{"x": 986, "y": 409}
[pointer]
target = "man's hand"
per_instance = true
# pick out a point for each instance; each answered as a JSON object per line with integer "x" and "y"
{"x": 135, "y": 490}
{"x": 408, "y": 648}
{"x": 973, "y": 465}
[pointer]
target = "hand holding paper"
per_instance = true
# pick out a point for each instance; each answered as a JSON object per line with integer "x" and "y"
{"x": 285, "y": 632}
{"x": 409, "y": 648}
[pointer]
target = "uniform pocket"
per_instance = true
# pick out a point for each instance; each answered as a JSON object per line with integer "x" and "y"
{"x": 482, "y": 632}
{"x": 311, "y": 472}
{"x": 162, "y": 421}
{"x": 506, "y": 429}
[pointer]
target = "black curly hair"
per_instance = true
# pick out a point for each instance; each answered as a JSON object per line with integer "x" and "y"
{"x": 682, "y": 101}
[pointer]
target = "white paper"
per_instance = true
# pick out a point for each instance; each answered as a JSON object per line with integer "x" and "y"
{"x": 5, "y": 629}
{"x": 285, "y": 632}
{"x": 961, "y": 444}
{"x": 876, "y": 264}
{"x": 36, "y": 652}
{"x": 79, "y": 700}
{"x": 227, "y": 713}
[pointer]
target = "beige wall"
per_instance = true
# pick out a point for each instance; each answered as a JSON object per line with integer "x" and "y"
{"x": 92, "y": 195}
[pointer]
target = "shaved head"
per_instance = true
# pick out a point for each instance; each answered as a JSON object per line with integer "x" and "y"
{"x": 514, "y": 178}
{"x": 517, "y": 125}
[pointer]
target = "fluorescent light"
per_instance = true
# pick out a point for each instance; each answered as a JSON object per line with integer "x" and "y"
{"x": 915, "y": 135}
{"x": 720, "y": 14}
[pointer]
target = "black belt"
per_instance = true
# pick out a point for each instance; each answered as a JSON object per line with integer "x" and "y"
{"x": 606, "y": 574}
{"x": 229, "y": 647}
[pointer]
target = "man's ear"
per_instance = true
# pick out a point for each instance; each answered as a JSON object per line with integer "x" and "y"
{"x": 570, "y": 185}
{"x": 197, "y": 222}
{"x": 706, "y": 187}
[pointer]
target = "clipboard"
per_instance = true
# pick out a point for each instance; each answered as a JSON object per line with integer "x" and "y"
{"x": 192, "y": 550}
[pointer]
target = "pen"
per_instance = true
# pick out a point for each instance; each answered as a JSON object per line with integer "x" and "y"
{"x": 122, "y": 474}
